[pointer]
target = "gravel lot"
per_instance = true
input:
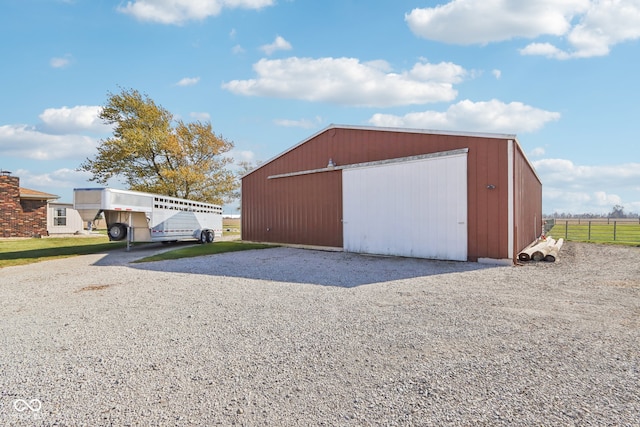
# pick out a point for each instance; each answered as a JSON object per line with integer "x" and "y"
{"x": 294, "y": 337}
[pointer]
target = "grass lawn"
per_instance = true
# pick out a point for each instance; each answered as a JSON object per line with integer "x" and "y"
{"x": 27, "y": 251}
{"x": 231, "y": 226}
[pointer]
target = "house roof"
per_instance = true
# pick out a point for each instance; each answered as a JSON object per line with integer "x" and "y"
{"x": 27, "y": 193}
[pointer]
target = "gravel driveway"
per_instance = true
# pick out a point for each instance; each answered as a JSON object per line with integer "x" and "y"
{"x": 293, "y": 337}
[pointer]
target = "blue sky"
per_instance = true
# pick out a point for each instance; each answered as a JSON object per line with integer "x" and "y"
{"x": 561, "y": 74}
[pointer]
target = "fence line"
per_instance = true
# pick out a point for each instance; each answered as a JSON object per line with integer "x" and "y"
{"x": 595, "y": 230}
{"x": 607, "y": 220}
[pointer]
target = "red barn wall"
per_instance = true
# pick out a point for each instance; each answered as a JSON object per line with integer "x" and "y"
{"x": 307, "y": 209}
{"x": 303, "y": 209}
{"x": 528, "y": 203}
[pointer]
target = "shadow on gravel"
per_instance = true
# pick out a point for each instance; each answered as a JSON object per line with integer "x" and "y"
{"x": 310, "y": 266}
{"x": 138, "y": 251}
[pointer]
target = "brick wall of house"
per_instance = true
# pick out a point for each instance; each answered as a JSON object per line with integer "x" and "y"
{"x": 26, "y": 218}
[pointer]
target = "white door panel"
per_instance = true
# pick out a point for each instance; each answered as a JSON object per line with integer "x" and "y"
{"x": 414, "y": 208}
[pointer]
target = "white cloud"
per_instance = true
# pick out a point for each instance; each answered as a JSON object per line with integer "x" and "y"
{"x": 557, "y": 200}
{"x": 632, "y": 206}
{"x": 246, "y": 155}
{"x": 60, "y": 135}
{"x": 188, "y": 81}
{"x": 303, "y": 123}
{"x": 203, "y": 117}
{"x": 237, "y": 50}
{"x": 566, "y": 172}
{"x": 278, "y": 44}
{"x": 589, "y": 27}
{"x": 60, "y": 182}
{"x": 497, "y": 74}
{"x": 82, "y": 118}
{"x": 481, "y": 22}
{"x": 445, "y": 72}
{"x": 576, "y": 189}
{"x": 491, "y": 116}
{"x": 27, "y": 142}
{"x": 347, "y": 81}
{"x": 544, "y": 49}
{"x": 606, "y": 23}
{"x": 537, "y": 152}
{"x": 604, "y": 199}
{"x": 242, "y": 156}
{"x": 179, "y": 11}
{"x": 60, "y": 62}
{"x": 60, "y": 178}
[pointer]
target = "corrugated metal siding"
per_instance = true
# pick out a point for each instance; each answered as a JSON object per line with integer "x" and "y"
{"x": 415, "y": 208}
{"x": 303, "y": 209}
{"x": 528, "y": 202}
{"x": 263, "y": 201}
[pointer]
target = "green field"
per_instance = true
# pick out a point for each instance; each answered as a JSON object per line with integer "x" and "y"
{"x": 624, "y": 233}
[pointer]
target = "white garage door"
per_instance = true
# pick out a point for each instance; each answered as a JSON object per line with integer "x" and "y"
{"x": 414, "y": 208}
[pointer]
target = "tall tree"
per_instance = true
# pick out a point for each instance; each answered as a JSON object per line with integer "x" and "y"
{"x": 244, "y": 167}
{"x": 151, "y": 152}
{"x": 617, "y": 212}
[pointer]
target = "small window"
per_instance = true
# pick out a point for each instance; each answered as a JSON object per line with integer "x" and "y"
{"x": 60, "y": 217}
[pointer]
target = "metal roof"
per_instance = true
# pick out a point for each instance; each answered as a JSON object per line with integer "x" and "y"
{"x": 389, "y": 129}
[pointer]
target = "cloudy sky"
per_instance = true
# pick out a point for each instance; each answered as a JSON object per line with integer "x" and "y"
{"x": 561, "y": 74}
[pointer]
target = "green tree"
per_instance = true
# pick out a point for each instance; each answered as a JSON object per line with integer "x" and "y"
{"x": 617, "y": 212}
{"x": 244, "y": 167}
{"x": 151, "y": 152}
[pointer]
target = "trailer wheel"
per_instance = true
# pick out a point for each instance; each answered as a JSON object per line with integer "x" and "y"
{"x": 210, "y": 236}
{"x": 117, "y": 231}
{"x": 203, "y": 236}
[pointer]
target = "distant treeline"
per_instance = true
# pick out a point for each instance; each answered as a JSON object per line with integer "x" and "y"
{"x": 563, "y": 215}
{"x": 616, "y": 212}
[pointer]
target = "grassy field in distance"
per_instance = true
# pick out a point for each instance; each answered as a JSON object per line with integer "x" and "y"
{"x": 624, "y": 233}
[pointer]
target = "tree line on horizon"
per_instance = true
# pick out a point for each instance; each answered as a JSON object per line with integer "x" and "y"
{"x": 616, "y": 213}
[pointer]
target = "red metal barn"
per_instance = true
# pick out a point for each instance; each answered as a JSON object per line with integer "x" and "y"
{"x": 427, "y": 194}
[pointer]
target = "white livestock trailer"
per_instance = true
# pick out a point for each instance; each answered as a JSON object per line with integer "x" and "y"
{"x": 147, "y": 217}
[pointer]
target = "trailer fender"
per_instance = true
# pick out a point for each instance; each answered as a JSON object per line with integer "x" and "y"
{"x": 117, "y": 231}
